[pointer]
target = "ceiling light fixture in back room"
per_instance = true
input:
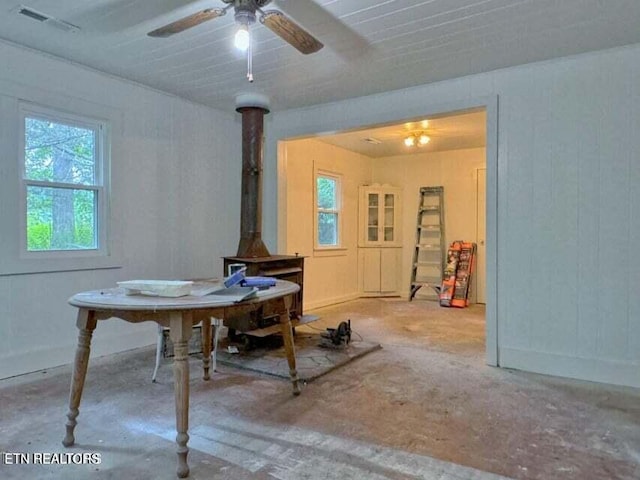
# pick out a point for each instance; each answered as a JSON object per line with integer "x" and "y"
{"x": 417, "y": 140}
{"x": 245, "y": 16}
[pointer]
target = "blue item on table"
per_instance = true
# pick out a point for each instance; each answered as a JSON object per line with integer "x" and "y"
{"x": 235, "y": 279}
{"x": 260, "y": 282}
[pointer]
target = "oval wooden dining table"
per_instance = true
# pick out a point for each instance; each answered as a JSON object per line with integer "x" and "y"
{"x": 179, "y": 315}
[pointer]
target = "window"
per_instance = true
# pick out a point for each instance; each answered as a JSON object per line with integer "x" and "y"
{"x": 63, "y": 195}
{"x": 328, "y": 215}
{"x": 54, "y": 186}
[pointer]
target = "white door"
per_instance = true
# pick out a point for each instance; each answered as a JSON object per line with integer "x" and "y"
{"x": 481, "y": 264}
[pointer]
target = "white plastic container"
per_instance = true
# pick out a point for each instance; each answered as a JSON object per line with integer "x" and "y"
{"x": 157, "y": 288}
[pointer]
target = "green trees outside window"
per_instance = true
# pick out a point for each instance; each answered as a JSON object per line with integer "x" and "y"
{"x": 60, "y": 167}
{"x": 327, "y": 192}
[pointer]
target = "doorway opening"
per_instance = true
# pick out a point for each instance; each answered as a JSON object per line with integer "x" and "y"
{"x": 380, "y": 174}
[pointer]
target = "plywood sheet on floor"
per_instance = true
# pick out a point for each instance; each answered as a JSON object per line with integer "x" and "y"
{"x": 312, "y": 359}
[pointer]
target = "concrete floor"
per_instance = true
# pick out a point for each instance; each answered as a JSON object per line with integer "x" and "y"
{"x": 423, "y": 407}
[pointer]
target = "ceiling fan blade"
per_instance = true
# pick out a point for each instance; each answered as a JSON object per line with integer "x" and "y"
{"x": 187, "y": 22}
{"x": 118, "y": 15}
{"x": 338, "y": 36}
{"x": 290, "y": 32}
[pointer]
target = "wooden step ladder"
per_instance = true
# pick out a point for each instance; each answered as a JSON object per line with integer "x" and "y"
{"x": 430, "y": 248}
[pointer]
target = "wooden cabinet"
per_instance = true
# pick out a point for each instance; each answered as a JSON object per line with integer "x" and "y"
{"x": 380, "y": 270}
{"x": 380, "y": 216}
{"x": 380, "y": 240}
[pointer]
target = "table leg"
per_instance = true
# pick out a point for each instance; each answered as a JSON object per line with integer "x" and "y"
{"x": 86, "y": 324}
{"x": 287, "y": 335}
{"x": 206, "y": 347}
{"x": 180, "y": 331}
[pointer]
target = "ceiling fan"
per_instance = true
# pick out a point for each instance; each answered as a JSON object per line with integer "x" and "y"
{"x": 245, "y": 13}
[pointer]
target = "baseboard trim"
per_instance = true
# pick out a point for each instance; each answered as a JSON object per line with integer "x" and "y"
{"x": 45, "y": 358}
{"x": 380, "y": 295}
{"x": 594, "y": 370}
{"x": 331, "y": 301}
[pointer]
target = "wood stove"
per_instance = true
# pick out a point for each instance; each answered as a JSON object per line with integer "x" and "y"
{"x": 283, "y": 267}
{"x": 251, "y": 249}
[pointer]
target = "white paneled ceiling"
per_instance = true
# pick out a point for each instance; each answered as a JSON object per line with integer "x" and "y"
{"x": 450, "y": 132}
{"x": 370, "y": 45}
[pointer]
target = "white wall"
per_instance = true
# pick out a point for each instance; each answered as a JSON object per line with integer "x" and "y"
{"x": 174, "y": 165}
{"x": 330, "y": 276}
{"x": 455, "y": 170}
{"x": 568, "y": 189}
{"x": 567, "y": 186}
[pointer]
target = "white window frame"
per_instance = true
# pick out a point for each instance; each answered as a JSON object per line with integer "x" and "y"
{"x": 338, "y": 210}
{"x": 100, "y": 179}
{"x": 15, "y": 259}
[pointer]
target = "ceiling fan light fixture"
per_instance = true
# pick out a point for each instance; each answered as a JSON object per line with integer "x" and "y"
{"x": 244, "y": 15}
{"x": 416, "y": 140}
{"x": 242, "y": 38}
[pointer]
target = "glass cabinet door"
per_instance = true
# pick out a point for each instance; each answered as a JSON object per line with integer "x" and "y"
{"x": 389, "y": 208}
{"x": 373, "y": 216}
{"x": 379, "y": 216}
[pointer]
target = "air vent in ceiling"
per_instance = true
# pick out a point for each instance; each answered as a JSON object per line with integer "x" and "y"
{"x": 47, "y": 19}
{"x": 373, "y": 141}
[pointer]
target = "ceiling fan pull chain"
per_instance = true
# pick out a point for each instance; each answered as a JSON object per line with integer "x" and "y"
{"x": 250, "y": 62}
